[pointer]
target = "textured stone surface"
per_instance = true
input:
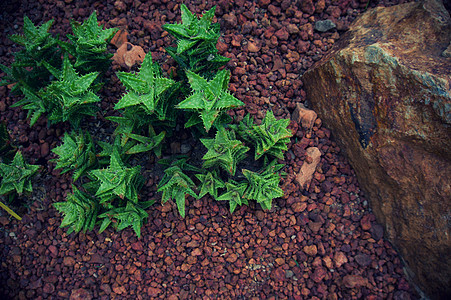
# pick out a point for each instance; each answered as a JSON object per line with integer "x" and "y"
{"x": 384, "y": 90}
{"x": 127, "y": 55}
{"x": 303, "y": 116}
{"x": 308, "y": 168}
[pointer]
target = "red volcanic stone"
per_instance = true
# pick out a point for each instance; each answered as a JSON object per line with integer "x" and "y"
{"x": 319, "y": 274}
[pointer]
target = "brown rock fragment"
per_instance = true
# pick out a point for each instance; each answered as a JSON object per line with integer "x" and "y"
{"x": 69, "y": 261}
{"x": 292, "y": 29}
{"x": 80, "y": 294}
{"x": 282, "y": 34}
{"x": 119, "y": 38}
{"x": 304, "y": 116}
{"x": 305, "y": 175}
{"x": 153, "y": 292}
{"x": 352, "y": 281}
{"x": 340, "y": 259}
{"x": 310, "y": 250}
{"x": 253, "y": 47}
{"x": 128, "y": 55}
{"x": 319, "y": 274}
{"x": 307, "y": 6}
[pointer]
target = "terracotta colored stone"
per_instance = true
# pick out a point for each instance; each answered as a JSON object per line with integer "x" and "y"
{"x": 137, "y": 246}
{"x": 80, "y": 294}
{"x": 253, "y": 47}
{"x": 299, "y": 206}
{"x": 68, "y": 261}
{"x": 307, "y": 6}
{"x": 119, "y": 289}
{"x": 274, "y": 10}
{"x": 292, "y": 29}
{"x": 45, "y": 149}
{"x": 264, "y": 3}
{"x": 278, "y": 274}
{"x": 352, "y": 281}
{"x": 320, "y": 5}
{"x": 230, "y": 20}
{"x": 319, "y": 274}
{"x": 127, "y": 55}
{"x": 340, "y": 259}
{"x": 232, "y": 258}
{"x": 153, "y": 292}
{"x": 119, "y": 38}
{"x": 196, "y": 252}
{"x": 305, "y": 175}
{"x": 310, "y": 250}
{"x": 282, "y": 34}
{"x": 304, "y": 116}
{"x": 384, "y": 91}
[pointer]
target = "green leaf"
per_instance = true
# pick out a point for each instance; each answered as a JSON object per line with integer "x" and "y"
{"x": 90, "y": 45}
{"x": 234, "y": 194}
{"x": 70, "y": 98}
{"x": 145, "y": 88}
{"x": 75, "y": 153}
{"x": 211, "y": 183}
{"x": 132, "y": 215}
{"x": 16, "y": 176}
{"x": 80, "y": 211}
{"x": 271, "y": 137}
{"x": 196, "y": 43}
{"x": 117, "y": 180}
{"x": 223, "y": 151}
{"x": 176, "y": 185}
{"x": 263, "y": 186}
{"x": 210, "y": 98}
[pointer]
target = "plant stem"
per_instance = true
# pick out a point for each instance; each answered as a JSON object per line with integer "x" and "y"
{"x": 9, "y": 210}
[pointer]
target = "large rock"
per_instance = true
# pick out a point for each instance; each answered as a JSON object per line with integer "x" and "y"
{"x": 384, "y": 91}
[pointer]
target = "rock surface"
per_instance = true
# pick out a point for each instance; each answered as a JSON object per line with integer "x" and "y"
{"x": 308, "y": 168}
{"x": 384, "y": 91}
{"x": 127, "y": 55}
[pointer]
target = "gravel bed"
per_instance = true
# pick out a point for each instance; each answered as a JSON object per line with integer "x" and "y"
{"x": 320, "y": 243}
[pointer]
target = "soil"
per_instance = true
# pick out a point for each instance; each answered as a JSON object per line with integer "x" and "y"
{"x": 320, "y": 243}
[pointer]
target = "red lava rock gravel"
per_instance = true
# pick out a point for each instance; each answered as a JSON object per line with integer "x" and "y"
{"x": 320, "y": 243}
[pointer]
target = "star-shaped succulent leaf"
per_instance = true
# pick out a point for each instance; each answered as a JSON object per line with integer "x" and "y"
{"x": 144, "y": 88}
{"x": 71, "y": 97}
{"x": 210, "y": 97}
{"x": 224, "y": 151}
{"x": 193, "y": 30}
{"x": 34, "y": 38}
{"x": 108, "y": 149}
{"x": 132, "y": 214}
{"x": 89, "y": 45}
{"x": 80, "y": 211}
{"x": 145, "y": 143}
{"x": 33, "y": 103}
{"x": 244, "y": 129}
{"x": 176, "y": 185}
{"x": 75, "y": 153}
{"x": 210, "y": 183}
{"x": 263, "y": 186}
{"x": 29, "y": 71}
{"x": 117, "y": 180}
{"x": 234, "y": 194}
{"x": 16, "y": 175}
{"x": 271, "y": 137}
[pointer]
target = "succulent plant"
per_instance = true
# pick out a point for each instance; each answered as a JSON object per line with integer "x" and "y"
{"x": 16, "y": 176}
